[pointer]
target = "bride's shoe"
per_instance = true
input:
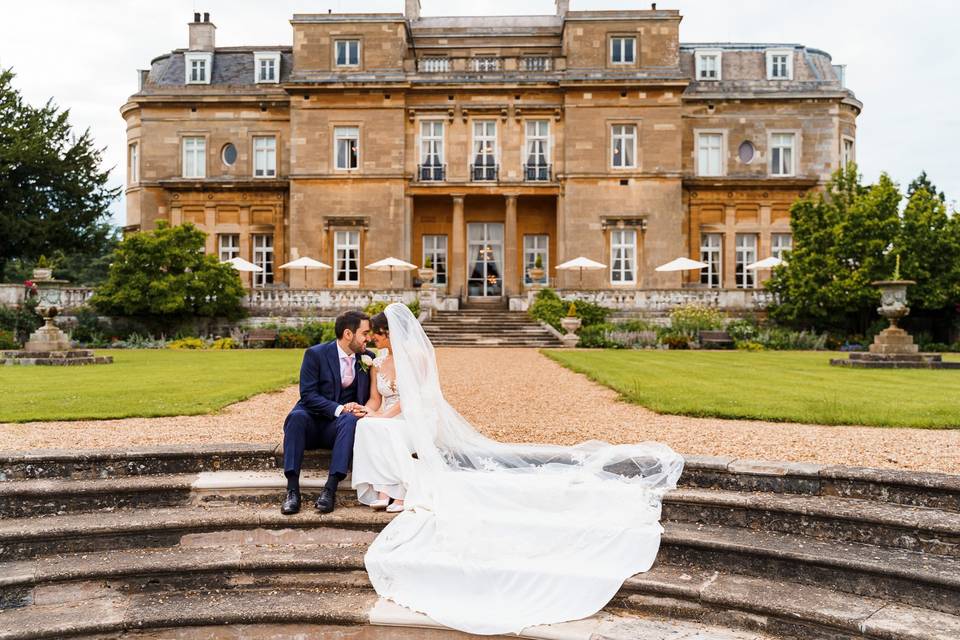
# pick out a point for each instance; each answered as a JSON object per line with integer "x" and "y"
{"x": 380, "y": 505}
{"x": 395, "y": 508}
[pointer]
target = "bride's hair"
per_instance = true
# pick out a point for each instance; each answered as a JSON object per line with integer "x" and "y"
{"x": 379, "y": 324}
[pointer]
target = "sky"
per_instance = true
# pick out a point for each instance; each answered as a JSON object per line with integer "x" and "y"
{"x": 900, "y": 58}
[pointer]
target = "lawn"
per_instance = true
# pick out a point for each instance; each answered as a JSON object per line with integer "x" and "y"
{"x": 773, "y": 385}
{"x": 145, "y": 383}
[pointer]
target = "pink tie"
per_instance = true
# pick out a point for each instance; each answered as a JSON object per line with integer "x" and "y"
{"x": 346, "y": 372}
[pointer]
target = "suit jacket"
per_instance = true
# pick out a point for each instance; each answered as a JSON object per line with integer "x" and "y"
{"x": 320, "y": 384}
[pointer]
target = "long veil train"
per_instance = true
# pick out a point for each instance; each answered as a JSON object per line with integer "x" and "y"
{"x": 498, "y": 537}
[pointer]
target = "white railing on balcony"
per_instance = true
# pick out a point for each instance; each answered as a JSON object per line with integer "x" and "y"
{"x": 485, "y": 64}
{"x": 535, "y": 63}
{"x": 434, "y": 65}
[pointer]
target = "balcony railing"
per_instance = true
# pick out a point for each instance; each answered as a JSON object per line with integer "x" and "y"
{"x": 433, "y": 65}
{"x": 535, "y": 63}
{"x": 487, "y": 64}
{"x": 536, "y": 172}
{"x": 484, "y": 172}
{"x": 431, "y": 172}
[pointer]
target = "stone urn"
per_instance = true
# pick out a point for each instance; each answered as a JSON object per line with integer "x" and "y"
{"x": 426, "y": 276}
{"x": 42, "y": 273}
{"x": 570, "y": 324}
{"x": 49, "y": 337}
{"x": 536, "y": 275}
{"x": 893, "y": 307}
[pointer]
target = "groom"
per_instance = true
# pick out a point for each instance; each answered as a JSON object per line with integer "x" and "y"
{"x": 333, "y": 389}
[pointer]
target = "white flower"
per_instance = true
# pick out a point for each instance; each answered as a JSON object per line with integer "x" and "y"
{"x": 366, "y": 360}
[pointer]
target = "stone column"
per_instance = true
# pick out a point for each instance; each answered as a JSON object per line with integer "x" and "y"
{"x": 407, "y": 252}
{"x": 511, "y": 279}
{"x": 458, "y": 255}
{"x": 561, "y": 242}
{"x": 729, "y": 247}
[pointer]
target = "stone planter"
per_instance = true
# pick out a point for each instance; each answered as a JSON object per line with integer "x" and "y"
{"x": 42, "y": 274}
{"x": 426, "y": 276}
{"x": 536, "y": 275}
{"x": 893, "y": 306}
{"x": 570, "y": 325}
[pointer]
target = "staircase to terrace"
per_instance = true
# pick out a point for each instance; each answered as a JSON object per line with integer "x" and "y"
{"x": 172, "y": 542}
{"x": 479, "y": 327}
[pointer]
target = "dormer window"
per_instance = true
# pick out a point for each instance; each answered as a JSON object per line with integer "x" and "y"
{"x": 347, "y": 53}
{"x": 623, "y": 50}
{"x": 198, "y": 66}
{"x": 708, "y": 64}
{"x": 779, "y": 64}
{"x": 266, "y": 66}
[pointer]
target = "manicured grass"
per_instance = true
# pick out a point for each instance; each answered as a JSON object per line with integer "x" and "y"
{"x": 145, "y": 383}
{"x": 776, "y": 386}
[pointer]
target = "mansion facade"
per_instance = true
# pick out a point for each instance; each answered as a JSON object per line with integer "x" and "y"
{"x": 484, "y": 146}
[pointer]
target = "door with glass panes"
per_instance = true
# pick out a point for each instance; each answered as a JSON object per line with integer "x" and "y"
{"x": 485, "y": 259}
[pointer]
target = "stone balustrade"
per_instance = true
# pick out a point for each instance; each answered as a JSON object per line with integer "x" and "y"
{"x": 655, "y": 301}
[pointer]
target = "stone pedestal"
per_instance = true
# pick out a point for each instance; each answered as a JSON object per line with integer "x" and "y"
{"x": 48, "y": 338}
{"x": 893, "y": 340}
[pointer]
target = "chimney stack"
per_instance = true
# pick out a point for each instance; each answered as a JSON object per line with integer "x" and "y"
{"x": 202, "y": 34}
{"x": 563, "y": 6}
{"x": 411, "y": 10}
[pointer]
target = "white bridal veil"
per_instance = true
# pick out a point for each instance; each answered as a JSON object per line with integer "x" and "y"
{"x": 498, "y": 537}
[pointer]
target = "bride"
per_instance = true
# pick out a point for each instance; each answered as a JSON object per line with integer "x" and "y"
{"x": 497, "y": 537}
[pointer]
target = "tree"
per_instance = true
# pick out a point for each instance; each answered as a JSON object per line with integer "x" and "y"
{"x": 53, "y": 194}
{"x": 163, "y": 277}
{"x": 842, "y": 239}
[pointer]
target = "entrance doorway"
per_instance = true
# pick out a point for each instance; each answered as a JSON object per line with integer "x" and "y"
{"x": 485, "y": 259}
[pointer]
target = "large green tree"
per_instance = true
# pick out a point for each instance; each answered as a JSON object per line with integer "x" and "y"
{"x": 53, "y": 193}
{"x": 842, "y": 242}
{"x": 163, "y": 277}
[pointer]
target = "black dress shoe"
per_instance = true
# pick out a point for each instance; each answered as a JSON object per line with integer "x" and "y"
{"x": 292, "y": 504}
{"x": 324, "y": 503}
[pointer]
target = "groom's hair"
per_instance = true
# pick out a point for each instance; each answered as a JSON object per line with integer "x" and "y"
{"x": 349, "y": 320}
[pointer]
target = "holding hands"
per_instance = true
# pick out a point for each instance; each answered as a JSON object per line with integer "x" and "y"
{"x": 356, "y": 409}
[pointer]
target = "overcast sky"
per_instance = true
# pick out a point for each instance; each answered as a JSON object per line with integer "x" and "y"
{"x": 900, "y": 56}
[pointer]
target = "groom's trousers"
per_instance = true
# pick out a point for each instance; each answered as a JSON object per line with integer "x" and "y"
{"x": 302, "y": 431}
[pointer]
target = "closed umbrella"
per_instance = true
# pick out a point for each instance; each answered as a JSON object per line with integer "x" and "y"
{"x": 582, "y": 263}
{"x": 681, "y": 264}
{"x": 305, "y": 263}
{"x": 391, "y": 264}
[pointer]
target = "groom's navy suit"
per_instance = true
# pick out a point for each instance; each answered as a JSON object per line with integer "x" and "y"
{"x": 313, "y": 423}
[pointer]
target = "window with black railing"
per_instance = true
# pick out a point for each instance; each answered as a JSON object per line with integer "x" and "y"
{"x": 484, "y": 167}
{"x": 484, "y": 172}
{"x": 431, "y": 172}
{"x": 536, "y": 172}
{"x": 537, "y": 168}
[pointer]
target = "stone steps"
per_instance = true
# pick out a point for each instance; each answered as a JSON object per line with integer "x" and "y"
{"x": 490, "y": 328}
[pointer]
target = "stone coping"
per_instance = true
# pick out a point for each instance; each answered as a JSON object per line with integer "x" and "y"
{"x": 720, "y": 464}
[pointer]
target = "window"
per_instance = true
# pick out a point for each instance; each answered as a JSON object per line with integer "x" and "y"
{"x": 229, "y": 246}
{"x": 537, "y": 166}
{"x": 623, "y": 256}
{"x": 347, "y": 147}
{"x": 623, "y": 50}
{"x": 346, "y": 254}
{"x": 746, "y": 254}
{"x": 264, "y": 156}
{"x": 133, "y": 160}
{"x": 486, "y": 63}
{"x": 780, "y": 245}
{"x": 710, "y": 154}
{"x": 782, "y": 154}
{"x": 434, "y": 65}
{"x": 263, "y": 258}
{"x": 198, "y": 67}
{"x": 229, "y": 154}
{"x": 194, "y": 157}
{"x": 711, "y": 252}
{"x": 435, "y": 255}
{"x": 348, "y": 53}
{"x": 746, "y": 152}
{"x": 780, "y": 64}
{"x": 535, "y": 63}
{"x": 431, "y": 150}
{"x": 266, "y": 66}
{"x": 623, "y": 146}
{"x": 708, "y": 64}
{"x": 847, "y": 155}
{"x": 484, "y": 150}
{"x": 535, "y": 246}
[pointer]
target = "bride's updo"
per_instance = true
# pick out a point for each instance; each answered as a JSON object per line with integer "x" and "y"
{"x": 379, "y": 324}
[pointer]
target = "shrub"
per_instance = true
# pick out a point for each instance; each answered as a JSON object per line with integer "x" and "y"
{"x": 374, "y": 308}
{"x": 595, "y": 337}
{"x": 187, "y": 343}
{"x": 691, "y": 319}
{"x": 742, "y": 330}
{"x": 675, "y": 340}
{"x": 317, "y": 332}
{"x": 137, "y": 341}
{"x": 548, "y": 307}
{"x": 21, "y": 320}
{"x": 7, "y": 340}
{"x": 749, "y": 345}
{"x": 637, "y": 325}
{"x": 89, "y": 327}
{"x": 293, "y": 339}
{"x": 224, "y": 344}
{"x": 935, "y": 347}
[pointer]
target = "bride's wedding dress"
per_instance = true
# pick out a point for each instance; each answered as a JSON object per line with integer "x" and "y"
{"x": 498, "y": 537}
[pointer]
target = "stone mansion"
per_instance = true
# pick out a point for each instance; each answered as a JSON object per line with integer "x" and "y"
{"x": 483, "y": 146}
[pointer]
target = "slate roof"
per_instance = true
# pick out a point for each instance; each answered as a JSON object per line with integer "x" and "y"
{"x": 232, "y": 67}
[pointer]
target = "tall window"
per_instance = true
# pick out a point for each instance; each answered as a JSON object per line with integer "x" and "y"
{"x": 710, "y": 154}
{"x": 484, "y": 150}
{"x": 623, "y": 256}
{"x": 431, "y": 150}
{"x": 708, "y": 65}
{"x": 623, "y": 146}
{"x": 194, "y": 157}
{"x": 133, "y": 158}
{"x": 264, "y": 156}
{"x": 538, "y": 150}
{"x": 746, "y": 254}
{"x": 346, "y": 253}
{"x": 435, "y": 255}
{"x": 847, "y": 156}
{"x": 535, "y": 246}
{"x": 623, "y": 50}
{"x": 348, "y": 53}
{"x": 711, "y": 252}
{"x": 263, "y": 258}
{"x": 198, "y": 65}
{"x": 780, "y": 65}
{"x": 229, "y": 246}
{"x": 780, "y": 245}
{"x": 347, "y": 147}
{"x": 782, "y": 154}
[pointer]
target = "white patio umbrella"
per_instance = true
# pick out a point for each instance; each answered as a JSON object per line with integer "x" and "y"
{"x": 582, "y": 263}
{"x": 305, "y": 263}
{"x": 244, "y": 266}
{"x": 391, "y": 264}
{"x": 681, "y": 264}
{"x": 766, "y": 263}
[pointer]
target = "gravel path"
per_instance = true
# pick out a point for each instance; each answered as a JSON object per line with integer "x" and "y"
{"x": 520, "y": 395}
